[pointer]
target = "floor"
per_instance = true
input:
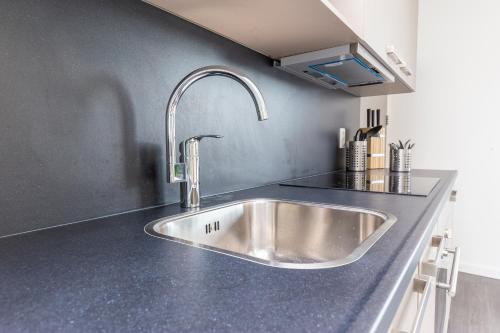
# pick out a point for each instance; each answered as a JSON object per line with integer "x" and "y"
{"x": 476, "y": 306}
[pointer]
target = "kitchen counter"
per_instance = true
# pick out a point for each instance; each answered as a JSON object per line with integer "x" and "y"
{"x": 108, "y": 275}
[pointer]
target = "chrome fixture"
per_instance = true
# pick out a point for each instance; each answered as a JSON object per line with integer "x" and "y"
{"x": 280, "y": 233}
{"x": 186, "y": 171}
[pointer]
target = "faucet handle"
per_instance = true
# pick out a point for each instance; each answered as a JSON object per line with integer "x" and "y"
{"x": 190, "y": 145}
{"x": 199, "y": 137}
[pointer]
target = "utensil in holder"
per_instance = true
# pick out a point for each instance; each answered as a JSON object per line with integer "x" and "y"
{"x": 400, "y": 160}
{"x": 356, "y": 156}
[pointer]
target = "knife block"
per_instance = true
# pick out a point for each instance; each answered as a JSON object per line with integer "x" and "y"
{"x": 376, "y": 151}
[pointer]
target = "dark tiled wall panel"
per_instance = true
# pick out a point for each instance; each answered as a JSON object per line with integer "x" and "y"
{"x": 83, "y": 90}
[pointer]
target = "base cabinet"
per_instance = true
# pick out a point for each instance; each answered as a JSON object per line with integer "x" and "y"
{"x": 416, "y": 313}
{"x": 425, "y": 306}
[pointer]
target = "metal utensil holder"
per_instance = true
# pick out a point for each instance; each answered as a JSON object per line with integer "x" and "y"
{"x": 356, "y": 156}
{"x": 400, "y": 160}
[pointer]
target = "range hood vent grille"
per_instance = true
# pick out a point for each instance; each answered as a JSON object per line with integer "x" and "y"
{"x": 350, "y": 72}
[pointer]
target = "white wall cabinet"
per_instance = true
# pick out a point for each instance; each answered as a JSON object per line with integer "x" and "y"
{"x": 390, "y": 29}
{"x": 387, "y": 27}
{"x": 282, "y": 28}
{"x": 352, "y": 11}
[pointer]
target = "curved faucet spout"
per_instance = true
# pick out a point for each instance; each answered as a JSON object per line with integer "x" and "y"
{"x": 176, "y": 172}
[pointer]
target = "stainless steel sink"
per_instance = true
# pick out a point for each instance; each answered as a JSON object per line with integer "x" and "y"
{"x": 279, "y": 233}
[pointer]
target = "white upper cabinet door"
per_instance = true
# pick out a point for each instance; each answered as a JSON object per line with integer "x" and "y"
{"x": 390, "y": 29}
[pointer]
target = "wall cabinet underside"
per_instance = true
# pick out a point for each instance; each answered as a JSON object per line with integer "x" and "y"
{"x": 282, "y": 28}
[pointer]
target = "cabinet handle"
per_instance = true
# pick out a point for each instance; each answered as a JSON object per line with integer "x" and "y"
{"x": 423, "y": 286}
{"x": 391, "y": 53}
{"x": 405, "y": 69}
{"x": 452, "y": 286}
{"x": 430, "y": 266}
{"x": 448, "y": 234}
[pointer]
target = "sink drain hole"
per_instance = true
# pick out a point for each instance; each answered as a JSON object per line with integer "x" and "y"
{"x": 212, "y": 226}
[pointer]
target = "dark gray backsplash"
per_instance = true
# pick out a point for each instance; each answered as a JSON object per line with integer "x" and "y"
{"x": 83, "y": 91}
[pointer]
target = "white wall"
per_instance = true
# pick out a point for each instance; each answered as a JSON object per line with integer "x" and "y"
{"x": 454, "y": 117}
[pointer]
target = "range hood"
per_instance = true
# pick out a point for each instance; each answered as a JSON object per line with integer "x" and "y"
{"x": 342, "y": 67}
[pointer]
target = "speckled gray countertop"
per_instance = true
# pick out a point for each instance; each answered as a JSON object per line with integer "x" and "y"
{"x": 108, "y": 275}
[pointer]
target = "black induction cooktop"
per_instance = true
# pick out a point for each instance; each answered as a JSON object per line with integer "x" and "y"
{"x": 380, "y": 180}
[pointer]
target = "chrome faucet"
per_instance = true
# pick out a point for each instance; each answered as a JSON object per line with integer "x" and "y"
{"x": 187, "y": 170}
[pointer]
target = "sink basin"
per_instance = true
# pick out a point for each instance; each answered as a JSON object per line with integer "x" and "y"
{"x": 286, "y": 234}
